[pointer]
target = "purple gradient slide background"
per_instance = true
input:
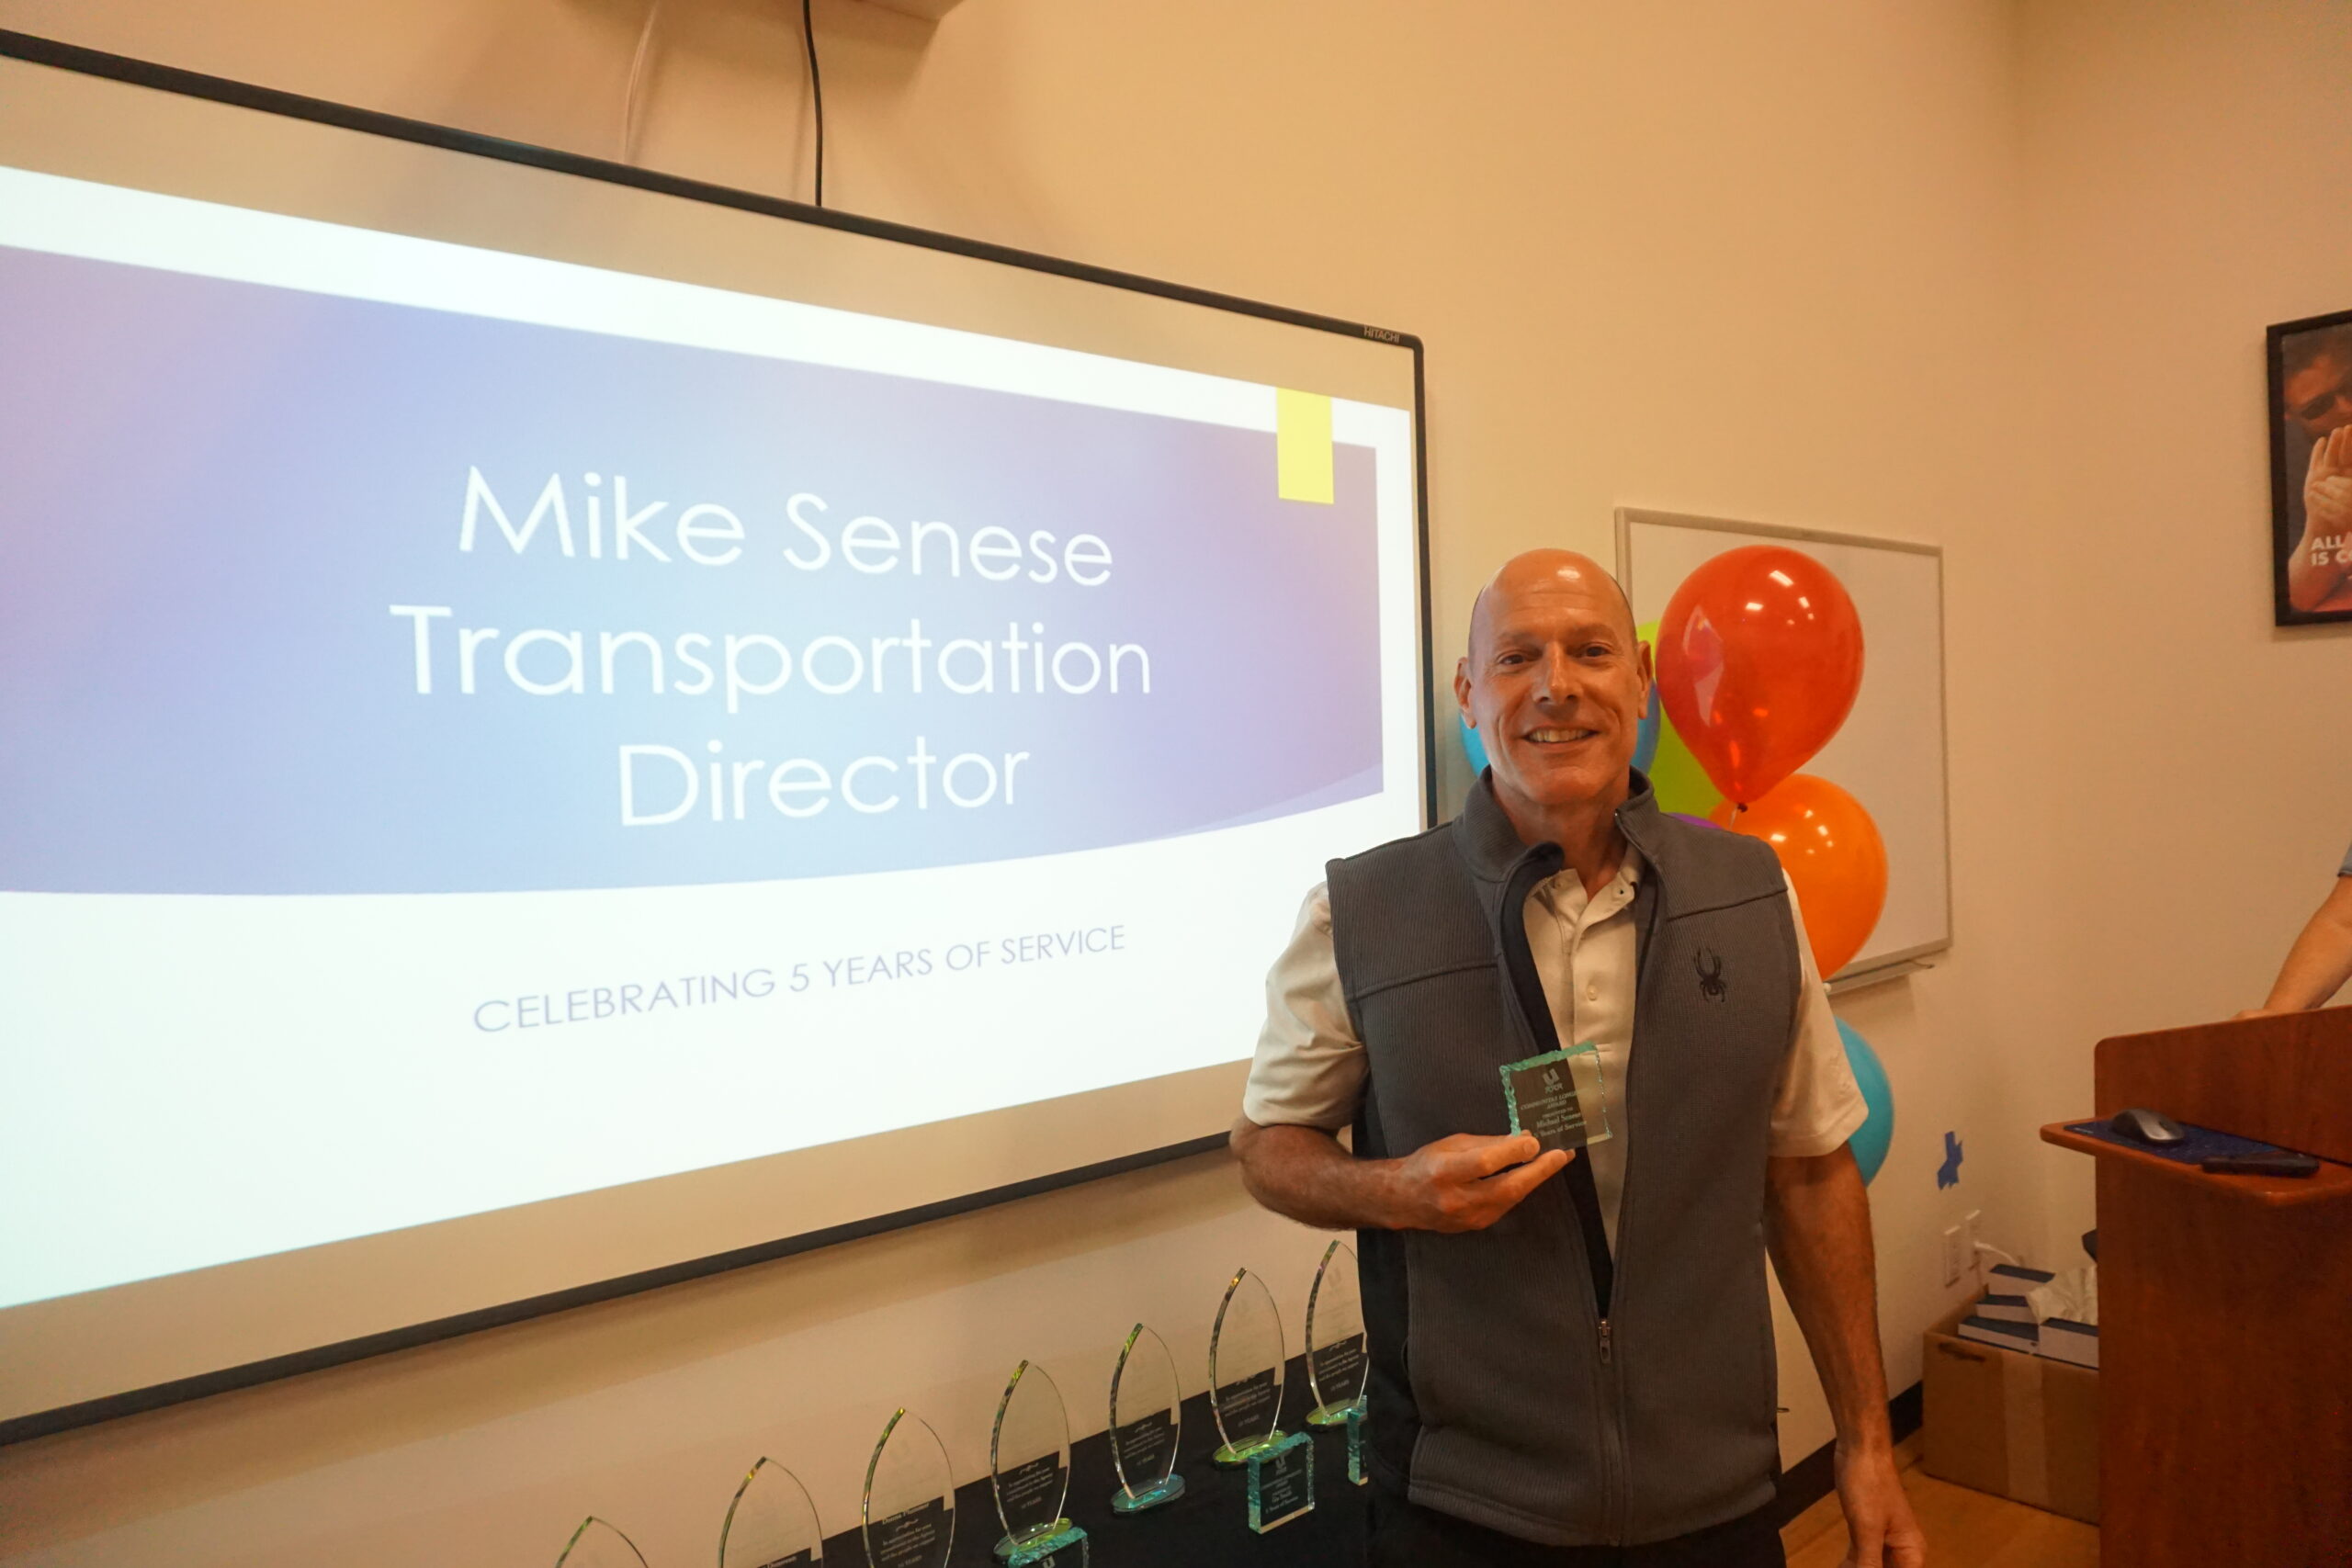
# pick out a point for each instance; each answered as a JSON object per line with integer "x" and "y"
{"x": 211, "y": 492}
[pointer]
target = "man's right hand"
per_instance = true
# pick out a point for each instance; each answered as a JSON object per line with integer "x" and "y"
{"x": 1466, "y": 1182}
{"x": 1462, "y": 1183}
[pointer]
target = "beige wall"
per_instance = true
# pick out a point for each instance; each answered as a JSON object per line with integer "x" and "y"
{"x": 1893, "y": 269}
{"x": 2187, "y": 188}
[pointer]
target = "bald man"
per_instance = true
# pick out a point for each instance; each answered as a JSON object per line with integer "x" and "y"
{"x": 1572, "y": 1356}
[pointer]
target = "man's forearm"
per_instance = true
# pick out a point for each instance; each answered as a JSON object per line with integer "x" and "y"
{"x": 1817, "y": 1224}
{"x": 1302, "y": 1174}
{"x": 2320, "y": 960}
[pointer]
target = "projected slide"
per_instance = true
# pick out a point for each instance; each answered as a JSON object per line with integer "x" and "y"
{"x": 475, "y": 729}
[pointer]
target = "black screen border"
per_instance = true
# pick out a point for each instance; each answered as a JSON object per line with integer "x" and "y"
{"x": 37, "y": 51}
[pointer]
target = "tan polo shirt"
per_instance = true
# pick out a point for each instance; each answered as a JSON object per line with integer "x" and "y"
{"x": 1309, "y": 1069}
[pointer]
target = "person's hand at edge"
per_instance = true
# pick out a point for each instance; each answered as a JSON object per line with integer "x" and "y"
{"x": 1879, "y": 1529}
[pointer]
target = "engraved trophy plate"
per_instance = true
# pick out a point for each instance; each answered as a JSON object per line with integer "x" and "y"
{"x": 1147, "y": 1419}
{"x": 1556, "y": 1096}
{"x": 1029, "y": 1472}
{"x": 1281, "y": 1481}
{"x": 597, "y": 1544}
{"x": 1336, "y": 1365}
{"x": 772, "y": 1523}
{"x": 1246, "y": 1370}
{"x": 907, "y": 1515}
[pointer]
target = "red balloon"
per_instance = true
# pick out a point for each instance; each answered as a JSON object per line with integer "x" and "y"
{"x": 1760, "y": 654}
{"x": 1835, "y": 858}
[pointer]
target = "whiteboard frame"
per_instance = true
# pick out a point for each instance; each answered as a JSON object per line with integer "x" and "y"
{"x": 1903, "y": 960}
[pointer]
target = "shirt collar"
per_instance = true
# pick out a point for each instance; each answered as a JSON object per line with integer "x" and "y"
{"x": 1564, "y": 892}
{"x": 1493, "y": 847}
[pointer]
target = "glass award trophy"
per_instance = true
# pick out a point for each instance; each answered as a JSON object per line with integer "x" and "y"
{"x": 907, "y": 1514}
{"x": 597, "y": 1544}
{"x": 1029, "y": 1472}
{"x": 1246, "y": 1371}
{"x": 1356, "y": 1476}
{"x": 1335, "y": 1346}
{"x": 1147, "y": 1416}
{"x": 1556, "y": 1096}
{"x": 1281, "y": 1481}
{"x": 770, "y": 1523}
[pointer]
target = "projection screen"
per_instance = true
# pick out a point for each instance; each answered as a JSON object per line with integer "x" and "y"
{"x": 562, "y": 728}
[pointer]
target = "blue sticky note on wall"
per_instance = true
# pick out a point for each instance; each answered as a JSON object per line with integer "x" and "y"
{"x": 1948, "y": 1173}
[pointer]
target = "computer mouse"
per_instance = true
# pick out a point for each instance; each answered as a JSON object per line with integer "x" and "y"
{"x": 2144, "y": 1126}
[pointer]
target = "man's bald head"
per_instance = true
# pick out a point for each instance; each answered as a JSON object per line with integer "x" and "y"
{"x": 1555, "y": 682}
{"x": 1538, "y": 571}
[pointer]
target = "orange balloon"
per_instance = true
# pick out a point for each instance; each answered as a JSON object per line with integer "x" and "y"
{"x": 1831, "y": 850}
{"x": 1759, "y": 656}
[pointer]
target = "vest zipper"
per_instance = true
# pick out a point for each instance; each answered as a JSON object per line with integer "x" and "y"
{"x": 1608, "y": 1430}
{"x": 1534, "y": 1009}
{"x": 1620, "y": 1491}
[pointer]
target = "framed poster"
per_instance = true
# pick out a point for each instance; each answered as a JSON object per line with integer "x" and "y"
{"x": 2311, "y": 469}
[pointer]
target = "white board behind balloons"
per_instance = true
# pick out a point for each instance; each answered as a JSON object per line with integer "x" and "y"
{"x": 1889, "y": 753}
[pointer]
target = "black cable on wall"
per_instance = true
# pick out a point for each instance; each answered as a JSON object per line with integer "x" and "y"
{"x": 815, "y": 91}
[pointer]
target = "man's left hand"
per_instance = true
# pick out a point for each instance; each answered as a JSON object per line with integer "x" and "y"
{"x": 1880, "y": 1530}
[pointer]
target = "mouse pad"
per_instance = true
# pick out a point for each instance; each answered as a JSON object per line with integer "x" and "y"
{"x": 2201, "y": 1144}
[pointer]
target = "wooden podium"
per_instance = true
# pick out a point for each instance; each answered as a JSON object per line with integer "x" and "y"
{"x": 2225, "y": 1303}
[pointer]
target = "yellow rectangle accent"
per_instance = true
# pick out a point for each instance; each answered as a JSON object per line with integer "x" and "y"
{"x": 1302, "y": 446}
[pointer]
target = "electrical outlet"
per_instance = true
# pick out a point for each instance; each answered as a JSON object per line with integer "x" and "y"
{"x": 1973, "y": 1224}
{"x": 1955, "y": 1253}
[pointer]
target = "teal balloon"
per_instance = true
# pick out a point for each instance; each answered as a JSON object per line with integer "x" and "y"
{"x": 1473, "y": 747}
{"x": 1871, "y": 1139}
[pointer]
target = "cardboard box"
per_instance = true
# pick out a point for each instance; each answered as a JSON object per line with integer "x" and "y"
{"x": 2018, "y": 1426}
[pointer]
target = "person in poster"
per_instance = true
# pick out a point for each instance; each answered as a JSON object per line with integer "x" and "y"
{"x": 2315, "y": 410}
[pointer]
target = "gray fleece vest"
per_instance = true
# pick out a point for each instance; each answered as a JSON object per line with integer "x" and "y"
{"x": 1521, "y": 1378}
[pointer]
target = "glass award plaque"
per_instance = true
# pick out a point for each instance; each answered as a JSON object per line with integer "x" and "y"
{"x": 770, "y": 1523}
{"x": 1146, "y": 1417}
{"x": 1029, "y": 1473}
{"x": 907, "y": 1515}
{"x": 1281, "y": 1481}
{"x": 1335, "y": 1345}
{"x": 1556, "y": 1096}
{"x": 1356, "y": 1476}
{"x": 1246, "y": 1371}
{"x": 597, "y": 1544}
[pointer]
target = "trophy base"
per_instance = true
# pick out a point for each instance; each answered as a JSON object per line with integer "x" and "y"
{"x": 1058, "y": 1545}
{"x": 1125, "y": 1502}
{"x": 1331, "y": 1414}
{"x": 1233, "y": 1456}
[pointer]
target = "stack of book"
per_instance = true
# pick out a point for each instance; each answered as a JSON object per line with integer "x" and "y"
{"x": 2063, "y": 1340}
{"x": 2007, "y": 1316}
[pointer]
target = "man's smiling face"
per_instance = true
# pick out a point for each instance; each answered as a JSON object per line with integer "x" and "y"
{"x": 1555, "y": 682}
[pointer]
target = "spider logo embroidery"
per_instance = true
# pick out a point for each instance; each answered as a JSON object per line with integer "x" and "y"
{"x": 1709, "y": 965}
